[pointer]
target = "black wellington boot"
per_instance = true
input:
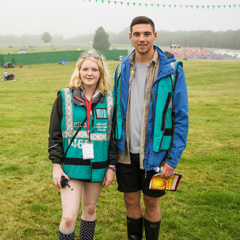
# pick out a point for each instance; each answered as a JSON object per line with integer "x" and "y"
{"x": 135, "y": 228}
{"x": 64, "y": 236}
{"x": 151, "y": 229}
{"x": 87, "y": 229}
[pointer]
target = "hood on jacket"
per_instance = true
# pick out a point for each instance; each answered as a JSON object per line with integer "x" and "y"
{"x": 79, "y": 97}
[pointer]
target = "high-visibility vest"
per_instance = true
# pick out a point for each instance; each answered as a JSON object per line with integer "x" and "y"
{"x": 100, "y": 129}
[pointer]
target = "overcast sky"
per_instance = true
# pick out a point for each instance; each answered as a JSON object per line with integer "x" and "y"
{"x": 73, "y": 17}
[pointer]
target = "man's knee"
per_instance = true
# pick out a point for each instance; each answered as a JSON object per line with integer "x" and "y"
{"x": 133, "y": 205}
{"x": 152, "y": 206}
{"x": 132, "y": 199}
{"x": 151, "y": 201}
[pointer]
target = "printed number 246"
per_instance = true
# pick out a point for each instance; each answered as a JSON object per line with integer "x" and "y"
{"x": 77, "y": 143}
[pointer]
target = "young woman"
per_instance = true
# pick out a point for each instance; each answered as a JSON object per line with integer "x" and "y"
{"x": 79, "y": 132}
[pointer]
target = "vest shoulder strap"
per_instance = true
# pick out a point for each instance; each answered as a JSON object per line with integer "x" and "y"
{"x": 175, "y": 65}
{"x": 118, "y": 71}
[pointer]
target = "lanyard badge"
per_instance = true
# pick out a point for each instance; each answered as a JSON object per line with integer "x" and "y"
{"x": 87, "y": 150}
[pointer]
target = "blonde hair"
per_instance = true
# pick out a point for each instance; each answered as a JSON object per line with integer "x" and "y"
{"x": 103, "y": 83}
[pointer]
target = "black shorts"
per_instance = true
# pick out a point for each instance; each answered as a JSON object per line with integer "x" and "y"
{"x": 131, "y": 178}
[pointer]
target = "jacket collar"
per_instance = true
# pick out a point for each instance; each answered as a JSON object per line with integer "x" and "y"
{"x": 154, "y": 60}
{"x": 79, "y": 97}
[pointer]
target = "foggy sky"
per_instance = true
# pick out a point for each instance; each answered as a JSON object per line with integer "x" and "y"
{"x": 73, "y": 17}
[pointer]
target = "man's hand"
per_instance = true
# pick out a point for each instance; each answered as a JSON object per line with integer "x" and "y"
{"x": 167, "y": 171}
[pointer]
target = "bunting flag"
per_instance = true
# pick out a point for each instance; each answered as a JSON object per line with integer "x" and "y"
{"x": 164, "y": 5}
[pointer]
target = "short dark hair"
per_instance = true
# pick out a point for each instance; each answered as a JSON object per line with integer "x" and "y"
{"x": 142, "y": 20}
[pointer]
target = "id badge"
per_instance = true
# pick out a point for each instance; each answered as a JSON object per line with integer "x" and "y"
{"x": 87, "y": 150}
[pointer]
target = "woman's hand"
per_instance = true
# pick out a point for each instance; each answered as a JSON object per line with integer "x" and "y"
{"x": 108, "y": 179}
{"x": 57, "y": 175}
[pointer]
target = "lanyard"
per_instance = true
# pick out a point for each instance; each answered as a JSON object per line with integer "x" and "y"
{"x": 89, "y": 106}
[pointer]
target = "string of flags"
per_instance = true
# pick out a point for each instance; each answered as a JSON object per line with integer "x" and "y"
{"x": 158, "y": 5}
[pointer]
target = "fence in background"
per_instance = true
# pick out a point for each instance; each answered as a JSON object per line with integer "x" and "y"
{"x": 54, "y": 57}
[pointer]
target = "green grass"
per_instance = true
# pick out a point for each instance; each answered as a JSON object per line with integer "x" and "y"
{"x": 207, "y": 203}
{"x": 48, "y": 47}
{"x": 39, "y": 48}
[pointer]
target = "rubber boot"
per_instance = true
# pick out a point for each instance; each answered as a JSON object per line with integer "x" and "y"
{"x": 66, "y": 236}
{"x": 87, "y": 229}
{"x": 151, "y": 229}
{"x": 135, "y": 228}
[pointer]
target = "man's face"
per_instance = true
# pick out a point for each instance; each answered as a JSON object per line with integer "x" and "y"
{"x": 142, "y": 37}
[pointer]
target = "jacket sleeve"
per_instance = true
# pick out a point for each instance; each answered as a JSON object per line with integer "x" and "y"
{"x": 180, "y": 103}
{"x": 112, "y": 149}
{"x": 55, "y": 134}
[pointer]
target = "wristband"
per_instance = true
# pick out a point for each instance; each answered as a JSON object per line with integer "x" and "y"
{"x": 113, "y": 168}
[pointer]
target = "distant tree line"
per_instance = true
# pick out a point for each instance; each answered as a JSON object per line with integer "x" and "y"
{"x": 195, "y": 39}
{"x": 202, "y": 39}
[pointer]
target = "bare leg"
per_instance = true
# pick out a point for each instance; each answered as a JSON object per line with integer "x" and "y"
{"x": 152, "y": 217}
{"x": 91, "y": 192}
{"x": 152, "y": 208}
{"x": 134, "y": 214}
{"x": 133, "y": 204}
{"x": 90, "y": 195}
{"x": 70, "y": 206}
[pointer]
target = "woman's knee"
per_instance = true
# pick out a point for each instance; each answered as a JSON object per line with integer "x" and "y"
{"x": 89, "y": 210}
{"x": 69, "y": 220}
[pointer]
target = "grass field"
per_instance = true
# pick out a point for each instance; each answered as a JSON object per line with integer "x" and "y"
{"x": 207, "y": 203}
{"x": 32, "y": 49}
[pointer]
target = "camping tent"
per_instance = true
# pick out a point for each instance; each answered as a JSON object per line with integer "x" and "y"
{"x": 63, "y": 62}
{"x": 8, "y": 65}
{"x": 119, "y": 58}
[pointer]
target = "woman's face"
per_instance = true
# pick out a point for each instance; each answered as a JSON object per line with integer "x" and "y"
{"x": 89, "y": 74}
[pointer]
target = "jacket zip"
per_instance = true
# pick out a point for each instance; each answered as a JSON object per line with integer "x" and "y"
{"x": 149, "y": 141}
{"x": 150, "y": 134}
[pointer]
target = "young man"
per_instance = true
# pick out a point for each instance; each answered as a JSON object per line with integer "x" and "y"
{"x": 151, "y": 126}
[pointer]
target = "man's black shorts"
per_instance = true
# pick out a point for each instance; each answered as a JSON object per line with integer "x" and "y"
{"x": 131, "y": 178}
